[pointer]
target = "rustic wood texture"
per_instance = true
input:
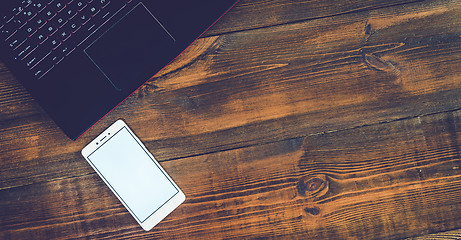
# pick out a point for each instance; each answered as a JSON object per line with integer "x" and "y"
{"x": 456, "y": 234}
{"x": 260, "y": 13}
{"x": 267, "y": 85}
{"x": 305, "y": 119}
{"x": 389, "y": 180}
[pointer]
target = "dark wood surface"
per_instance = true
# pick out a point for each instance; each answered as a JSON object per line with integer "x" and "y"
{"x": 287, "y": 120}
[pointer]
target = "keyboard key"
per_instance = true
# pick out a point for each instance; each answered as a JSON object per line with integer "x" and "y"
{"x": 42, "y": 68}
{"x": 26, "y": 48}
{"x": 70, "y": 13}
{"x": 107, "y": 13}
{"x": 78, "y": 4}
{"x": 63, "y": 34}
{"x": 40, "y": 37}
{"x": 50, "y": 28}
{"x": 101, "y": 3}
{"x": 38, "y": 22}
{"x": 56, "y": 58}
{"x": 17, "y": 10}
{"x": 17, "y": 23}
{"x": 38, "y": 6}
{"x": 6, "y": 18}
{"x": 66, "y": 49}
{"x": 5, "y": 33}
{"x": 21, "y": 19}
{"x": 26, "y": 3}
{"x": 30, "y": 30}
{"x": 44, "y": 49}
{"x": 84, "y": 16}
{"x": 59, "y": 5}
{"x": 60, "y": 20}
{"x": 94, "y": 11}
{"x": 31, "y": 60}
{"x": 36, "y": 56}
{"x": 27, "y": 14}
{"x": 54, "y": 43}
{"x": 50, "y": 13}
{"x": 16, "y": 40}
{"x": 74, "y": 25}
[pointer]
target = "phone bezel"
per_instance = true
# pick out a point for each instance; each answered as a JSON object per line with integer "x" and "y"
{"x": 163, "y": 211}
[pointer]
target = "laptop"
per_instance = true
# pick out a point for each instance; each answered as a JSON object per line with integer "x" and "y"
{"x": 80, "y": 58}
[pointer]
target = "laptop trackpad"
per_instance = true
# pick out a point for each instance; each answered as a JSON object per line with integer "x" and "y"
{"x": 129, "y": 48}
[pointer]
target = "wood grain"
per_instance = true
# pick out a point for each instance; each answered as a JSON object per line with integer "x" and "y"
{"x": 386, "y": 181}
{"x": 258, "y": 14}
{"x": 266, "y": 85}
{"x": 455, "y": 234}
{"x": 290, "y": 120}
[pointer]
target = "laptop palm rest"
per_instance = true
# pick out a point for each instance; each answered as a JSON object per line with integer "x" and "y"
{"x": 128, "y": 48}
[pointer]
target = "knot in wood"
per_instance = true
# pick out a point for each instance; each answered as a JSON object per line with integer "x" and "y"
{"x": 314, "y": 185}
{"x": 314, "y": 210}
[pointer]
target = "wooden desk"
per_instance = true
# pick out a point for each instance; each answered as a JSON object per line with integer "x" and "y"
{"x": 288, "y": 119}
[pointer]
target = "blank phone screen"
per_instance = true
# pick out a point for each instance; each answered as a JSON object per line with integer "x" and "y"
{"x": 132, "y": 174}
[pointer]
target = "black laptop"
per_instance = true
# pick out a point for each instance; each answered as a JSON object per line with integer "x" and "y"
{"x": 81, "y": 58}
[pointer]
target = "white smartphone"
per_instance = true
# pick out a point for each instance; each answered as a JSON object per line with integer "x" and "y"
{"x": 133, "y": 175}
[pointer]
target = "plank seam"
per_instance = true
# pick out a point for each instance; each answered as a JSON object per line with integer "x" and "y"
{"x": 311, "y": 19}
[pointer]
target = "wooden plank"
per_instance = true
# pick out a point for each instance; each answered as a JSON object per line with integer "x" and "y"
{"x": 268, "y": 85}
{"x": 455, "y": 234}
{"x": 15, "y": 101}
{"x": 250, "y": 14}
{"x": 386, "y": 181}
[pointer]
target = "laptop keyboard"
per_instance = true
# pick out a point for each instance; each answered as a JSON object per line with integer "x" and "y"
{"x": 41, "y": 33}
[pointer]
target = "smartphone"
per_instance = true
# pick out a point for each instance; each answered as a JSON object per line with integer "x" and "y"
{"x": 133, "y": 175}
